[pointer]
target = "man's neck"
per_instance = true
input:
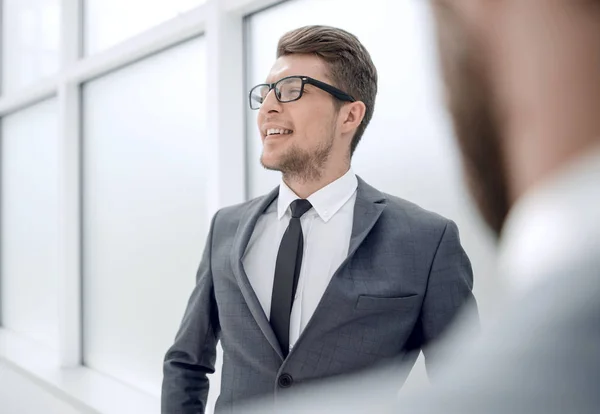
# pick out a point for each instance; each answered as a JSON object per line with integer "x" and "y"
{"x": 304, "y": 188}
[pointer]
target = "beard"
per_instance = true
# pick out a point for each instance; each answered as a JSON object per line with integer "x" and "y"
{"x": 301, "y": 165}
{"x": 472, "y": 105}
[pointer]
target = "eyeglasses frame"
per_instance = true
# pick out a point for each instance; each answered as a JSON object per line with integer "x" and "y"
{"x": 332, "y": 90}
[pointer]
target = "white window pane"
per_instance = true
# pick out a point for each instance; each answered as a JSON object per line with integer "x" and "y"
{"x": 30, "y": 41}
{"x": 144, "y": 211}
{"x": 29, "y": 268}
{"x": 108, "y": 22}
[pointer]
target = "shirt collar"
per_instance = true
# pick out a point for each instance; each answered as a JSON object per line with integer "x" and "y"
{"x": 553, "y": 225}
{"x": 326, "y": 202}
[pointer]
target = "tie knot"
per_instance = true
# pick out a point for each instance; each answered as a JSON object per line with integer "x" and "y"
{"x": 299, "y": 207}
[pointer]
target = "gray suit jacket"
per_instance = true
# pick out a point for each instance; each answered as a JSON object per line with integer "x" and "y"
{"x": 404, "y": 280}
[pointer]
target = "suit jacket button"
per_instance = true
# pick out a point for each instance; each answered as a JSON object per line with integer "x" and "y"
{"x": 285, "y": 381}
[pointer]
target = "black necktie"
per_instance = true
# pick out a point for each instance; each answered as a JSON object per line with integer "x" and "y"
{"x": 287, "y": 271}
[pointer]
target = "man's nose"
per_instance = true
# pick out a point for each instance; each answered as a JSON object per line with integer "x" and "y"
{"x": 270, "y": 103}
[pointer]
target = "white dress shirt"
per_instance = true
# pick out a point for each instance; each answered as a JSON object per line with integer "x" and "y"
{"x": 326, "y": 227}
{"x": 553, "y": 227}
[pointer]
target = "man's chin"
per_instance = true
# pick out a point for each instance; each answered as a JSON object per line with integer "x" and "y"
{"x": 270, "y": 164}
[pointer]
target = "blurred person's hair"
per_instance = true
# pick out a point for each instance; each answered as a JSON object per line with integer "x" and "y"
{"x": 350, "y": 66}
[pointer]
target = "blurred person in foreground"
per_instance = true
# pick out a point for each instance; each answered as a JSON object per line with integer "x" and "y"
{"x": 523, "y": 88}
{"x": 325, "y": 275}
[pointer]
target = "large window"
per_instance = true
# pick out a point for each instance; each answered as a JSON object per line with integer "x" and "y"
{"x": 30, "y": 39}
{"x": 143, "y": 217}
{"x": 107, "y": 184}
{"x": 29, "y": 214}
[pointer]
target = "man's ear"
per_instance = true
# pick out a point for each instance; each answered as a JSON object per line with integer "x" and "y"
{"x": 353, "y": 114}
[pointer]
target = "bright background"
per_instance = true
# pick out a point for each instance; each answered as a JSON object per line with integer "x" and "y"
{"x": 124, "y": 127}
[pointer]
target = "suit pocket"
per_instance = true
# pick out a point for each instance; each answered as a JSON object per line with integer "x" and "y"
{"x": 365, "y": 302}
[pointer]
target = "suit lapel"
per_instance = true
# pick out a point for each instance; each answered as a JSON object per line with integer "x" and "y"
{"x": 369, "y": 206}
{"x": 242, "y": 237}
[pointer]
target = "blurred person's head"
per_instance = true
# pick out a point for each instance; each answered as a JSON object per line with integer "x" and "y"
{"x": 324, "y": 95}
{"x": 523, "y": 88}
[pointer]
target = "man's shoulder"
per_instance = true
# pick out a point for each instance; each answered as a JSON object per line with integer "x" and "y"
{"x": 400, "y": 209}
{"x": 233, "y": 213}
{"x": 240, "y": 208}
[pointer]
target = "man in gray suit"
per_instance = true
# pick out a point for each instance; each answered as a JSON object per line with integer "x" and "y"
{"x": 523, "y": 80}
{"x": 325, "y": 275}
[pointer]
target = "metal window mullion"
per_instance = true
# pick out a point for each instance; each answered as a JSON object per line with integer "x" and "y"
{"x": 1, "y": 157}
{"x": 41, "y": 91}
{"x": 225, "y": 95}
{"x": 69, "y": 187}
{"x": 246, "y": 7}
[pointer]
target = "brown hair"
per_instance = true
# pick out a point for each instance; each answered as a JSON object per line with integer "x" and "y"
{"x": 350, "y": 65}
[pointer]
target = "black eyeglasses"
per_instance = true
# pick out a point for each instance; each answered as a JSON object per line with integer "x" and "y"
{"x": 290, "y": 89}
